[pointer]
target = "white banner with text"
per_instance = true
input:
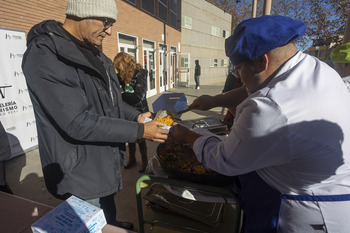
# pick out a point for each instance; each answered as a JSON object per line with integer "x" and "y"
{"x": 16, "y": 109}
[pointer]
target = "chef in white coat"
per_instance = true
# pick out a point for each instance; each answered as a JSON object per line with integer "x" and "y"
{"x": 290, "y": 141}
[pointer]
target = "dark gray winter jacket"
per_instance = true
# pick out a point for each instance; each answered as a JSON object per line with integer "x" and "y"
{"x": 82, "y": 122}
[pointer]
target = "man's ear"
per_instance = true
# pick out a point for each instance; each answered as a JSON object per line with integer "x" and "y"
{"x": 261, "y": 63}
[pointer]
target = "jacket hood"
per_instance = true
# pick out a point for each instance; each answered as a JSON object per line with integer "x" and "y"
{"x": 62, "y": 44}
{"x": 48, "y": 27}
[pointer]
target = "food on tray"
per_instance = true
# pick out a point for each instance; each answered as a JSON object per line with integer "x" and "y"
{"x": 182, "y": 158}
{"x": 180, "y": 162}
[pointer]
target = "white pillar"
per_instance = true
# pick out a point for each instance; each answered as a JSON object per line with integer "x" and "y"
{"x": 254, "y": 8}
{"x": 267, "y": 7}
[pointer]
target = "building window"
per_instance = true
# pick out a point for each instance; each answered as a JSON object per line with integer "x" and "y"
{"x": 132, "y": 2}
{"x": 148, "y": 44}
{"x": 173, "y": 13}
{"x": 186, "y": 22}
{"x": 184, "y": 62}
{"x": 223, "y": 62}
{"x": 148, "y": 5}
{"x": 163, "y": 10}
{"x": 125, "y": 39}
{"x": 128, "y": 44}
{"x": 215, "y": 31}
{"x": 213, "y": 62}
{"x": 173, "y": 5}
{"x": 225, "y": 34}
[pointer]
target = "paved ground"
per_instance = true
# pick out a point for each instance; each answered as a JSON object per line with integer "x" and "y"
{"x": 25, "y": 176}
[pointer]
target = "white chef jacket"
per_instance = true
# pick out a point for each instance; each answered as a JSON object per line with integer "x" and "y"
{"x": 295, "y": 133}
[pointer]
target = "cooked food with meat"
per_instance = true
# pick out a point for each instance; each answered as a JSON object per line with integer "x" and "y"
{"x": 182, "y": 158}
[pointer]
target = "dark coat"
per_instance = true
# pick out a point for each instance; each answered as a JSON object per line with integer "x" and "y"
{"x": 137, "y": 99}
{"x": 232, "y": 82}
{"x": 5, "y": 148}
{"x": 82, "y": 122}
{"x": 197, "y": 70}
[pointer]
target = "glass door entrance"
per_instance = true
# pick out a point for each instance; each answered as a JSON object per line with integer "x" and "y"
{"x": 163, "y": 68}
{"x": 149, "y": 65}
{"x": 173, "y": 66}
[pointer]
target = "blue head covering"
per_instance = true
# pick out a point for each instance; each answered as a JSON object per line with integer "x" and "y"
{"x": 257, "y": 36}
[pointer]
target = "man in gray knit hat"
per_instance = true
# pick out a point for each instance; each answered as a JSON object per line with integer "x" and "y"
{"x": 82, "y": 122}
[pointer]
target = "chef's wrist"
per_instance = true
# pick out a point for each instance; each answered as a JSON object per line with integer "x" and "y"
{"x": 191, "y": 137}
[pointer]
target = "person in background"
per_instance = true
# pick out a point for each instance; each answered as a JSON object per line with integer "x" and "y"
{"x": 82, "y": 121}
{"x": 232, "y": 82}
{"x": 290, "y": 142}
{"x": 5, "y": 153}
{"x": 340, "y": 56}
{"x": 197, "y": 74}
{"x": 133, "y": 81}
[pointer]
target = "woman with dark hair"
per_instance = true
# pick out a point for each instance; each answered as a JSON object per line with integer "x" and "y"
{"x": 133, "y": 84}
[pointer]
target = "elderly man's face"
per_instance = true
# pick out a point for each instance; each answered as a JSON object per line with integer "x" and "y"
{"x": 93, "y": 31}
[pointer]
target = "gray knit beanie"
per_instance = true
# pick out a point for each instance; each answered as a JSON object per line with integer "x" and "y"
{"x": 92, "y": 8}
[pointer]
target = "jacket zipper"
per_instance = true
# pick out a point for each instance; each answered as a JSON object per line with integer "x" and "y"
{"x": 110, "y": 88}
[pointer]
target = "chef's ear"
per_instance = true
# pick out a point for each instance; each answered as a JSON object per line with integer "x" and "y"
{"x": 261, "y": 63}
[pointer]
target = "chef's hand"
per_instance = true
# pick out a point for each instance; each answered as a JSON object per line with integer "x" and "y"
{"x": 154, "y": 132}
{"x": 204, "y": 102}
{"x": 182, "y": 135}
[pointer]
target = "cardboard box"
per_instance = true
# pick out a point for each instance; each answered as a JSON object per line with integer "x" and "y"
{"x": 72, "y": 215}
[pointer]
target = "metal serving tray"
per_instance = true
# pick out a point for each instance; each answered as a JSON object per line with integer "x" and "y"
{"x": 210, "y": 123}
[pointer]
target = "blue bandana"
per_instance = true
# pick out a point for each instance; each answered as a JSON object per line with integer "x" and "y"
{"x": 257, "y": 36}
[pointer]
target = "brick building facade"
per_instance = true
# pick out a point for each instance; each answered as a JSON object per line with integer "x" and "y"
{"x": 146, "y": 34}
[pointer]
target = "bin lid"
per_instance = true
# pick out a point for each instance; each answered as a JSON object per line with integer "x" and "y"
{"x": 173, "y": 102}
{"x": 211, "y": 123}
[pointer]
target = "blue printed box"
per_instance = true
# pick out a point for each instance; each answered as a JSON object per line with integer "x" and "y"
{"x": 72, "y": 215}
